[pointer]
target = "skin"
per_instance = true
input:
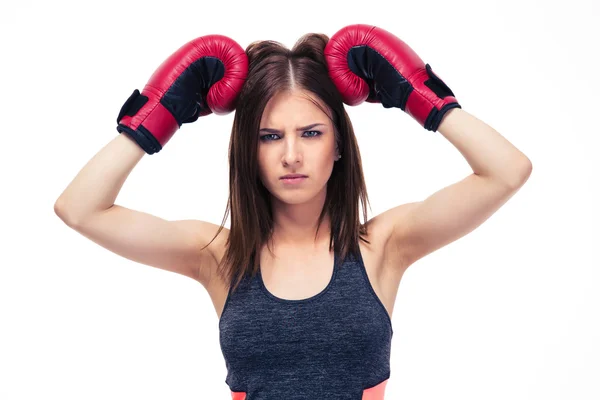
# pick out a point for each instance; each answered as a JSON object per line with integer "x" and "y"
{"x": 282, "y": 150}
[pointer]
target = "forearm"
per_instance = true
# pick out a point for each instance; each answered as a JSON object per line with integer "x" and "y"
{"x": 97, "y": 185}
{"x": 488, "y": 153}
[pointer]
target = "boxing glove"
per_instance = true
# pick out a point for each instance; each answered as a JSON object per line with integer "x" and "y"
{"x": 367, "y": 63}
{"x": 203, "y": 76}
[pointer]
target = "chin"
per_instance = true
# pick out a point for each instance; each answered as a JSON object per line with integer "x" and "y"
{"x": 298, "y": 195}
{"x": 293, "y": 197}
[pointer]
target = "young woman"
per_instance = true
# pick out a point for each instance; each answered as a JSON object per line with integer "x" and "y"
{"x": 304, "y": 291}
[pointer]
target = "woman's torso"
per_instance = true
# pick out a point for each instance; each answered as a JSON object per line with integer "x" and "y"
{"x": 309, "y": 325}
{"x": 383, "y": 269}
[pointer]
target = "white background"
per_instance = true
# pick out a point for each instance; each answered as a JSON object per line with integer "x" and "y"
{"x": 511, "y": 311}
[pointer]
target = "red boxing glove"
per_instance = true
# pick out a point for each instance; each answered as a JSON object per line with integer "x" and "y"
{"x": 369, "y": 63}
{"x": 203, "y": 76}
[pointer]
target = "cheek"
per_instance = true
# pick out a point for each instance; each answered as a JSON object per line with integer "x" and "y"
{"x": 322, "y": 166}
{"x": 264, "y": 163}
{"x": 266, "y": 169}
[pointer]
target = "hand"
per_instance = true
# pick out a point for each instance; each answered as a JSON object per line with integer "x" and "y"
{"x": 203, "y": 76}
{"x": 368, "y": 63}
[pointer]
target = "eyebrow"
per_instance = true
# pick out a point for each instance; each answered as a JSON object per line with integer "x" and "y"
{"x": 304, "y": 128}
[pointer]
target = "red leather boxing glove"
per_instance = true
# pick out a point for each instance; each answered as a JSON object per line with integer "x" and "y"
{"x": 368, "y": 63}
{"x": 203, "y": 76}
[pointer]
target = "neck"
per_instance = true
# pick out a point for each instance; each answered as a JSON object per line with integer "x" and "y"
{"x": 295, "y": 225}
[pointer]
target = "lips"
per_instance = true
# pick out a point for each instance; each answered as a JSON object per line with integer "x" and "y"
{"x": 293, "y": 179}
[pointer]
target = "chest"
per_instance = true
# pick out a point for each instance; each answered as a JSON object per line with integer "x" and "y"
{"x": 301, "y": 276}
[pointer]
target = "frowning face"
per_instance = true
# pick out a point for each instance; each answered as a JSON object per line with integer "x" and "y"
{"x": 296, "y": 137}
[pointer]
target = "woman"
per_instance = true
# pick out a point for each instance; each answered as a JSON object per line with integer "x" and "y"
{"x": 303, "y": 290}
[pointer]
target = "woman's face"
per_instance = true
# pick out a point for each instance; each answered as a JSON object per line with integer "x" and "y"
{"x": 295, "y": 137}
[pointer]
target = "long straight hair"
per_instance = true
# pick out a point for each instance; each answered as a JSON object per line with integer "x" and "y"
{"x": 272, "y": 69}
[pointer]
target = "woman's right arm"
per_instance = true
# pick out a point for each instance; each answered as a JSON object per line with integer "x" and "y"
{"x": 87, "y": 206}
{"x": 175, "y": 94}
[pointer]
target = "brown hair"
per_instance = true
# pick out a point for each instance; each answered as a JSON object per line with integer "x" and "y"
{"x": 272, "y": 69}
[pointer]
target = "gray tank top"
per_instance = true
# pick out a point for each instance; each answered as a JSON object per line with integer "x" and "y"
{"x": 333, "y": 345}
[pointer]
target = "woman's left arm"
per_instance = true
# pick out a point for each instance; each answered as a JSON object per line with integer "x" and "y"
{"x": 370, "y": 63}
{"x": 488, "y": 153}
{"x": 499, "y": 171}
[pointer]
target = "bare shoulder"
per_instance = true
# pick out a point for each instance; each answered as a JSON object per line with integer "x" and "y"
{"x": 382, "y": 233}
{"x": 384, "y": 259}
{"x": 211, "y": 240}
{"x": 216, "y": 287}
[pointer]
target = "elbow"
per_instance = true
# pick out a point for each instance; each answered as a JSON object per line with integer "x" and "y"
{"x": 60, "y": 211}
{"x": 58, "y": 208}
{"x": 523, "y": 173}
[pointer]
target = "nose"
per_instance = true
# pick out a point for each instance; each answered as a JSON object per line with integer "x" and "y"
{"x": 292, "y": 152}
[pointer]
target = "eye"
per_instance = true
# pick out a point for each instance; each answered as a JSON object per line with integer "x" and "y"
{"x": 265, "y": 138}
{"x": 318, "y": 133}
{"x": 268, "y": 137}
